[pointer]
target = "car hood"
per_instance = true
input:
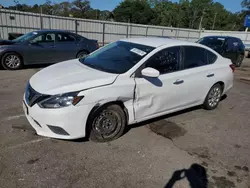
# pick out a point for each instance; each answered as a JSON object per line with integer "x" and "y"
{"x": 69, "y": 76}
{"x": 6, "y": 42}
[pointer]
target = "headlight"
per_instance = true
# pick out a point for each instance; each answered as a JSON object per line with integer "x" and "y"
{"x": 60, "y": 101}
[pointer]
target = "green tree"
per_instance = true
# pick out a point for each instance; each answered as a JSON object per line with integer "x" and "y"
{"x": 166, "y": 13}
{"x": 135, "y": 11}
{"x": 80, "y": 8}
{"x": 245, "y": 4}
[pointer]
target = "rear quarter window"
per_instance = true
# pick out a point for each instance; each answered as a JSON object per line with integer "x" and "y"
{"x": 211, "y": 57}
{"x": 79, "y": 38}
{"x": 242, "y": 46}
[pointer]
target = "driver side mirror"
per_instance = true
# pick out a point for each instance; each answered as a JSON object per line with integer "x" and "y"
{"x": 150, "y": 72}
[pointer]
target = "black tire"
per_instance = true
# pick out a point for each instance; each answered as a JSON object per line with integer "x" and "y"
{"x": 212, "y": 103}
{"x": 82, "y": 54}
{"x": 17, "y": 62}
{"x": 107, "y": 123}
{"x": 239, "y": 61}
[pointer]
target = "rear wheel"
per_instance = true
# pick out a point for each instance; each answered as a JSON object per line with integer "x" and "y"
{"x": 82, "y": 54}
{"x": 11, "y": 61}
{"x": 107, "y": 124}
{"x": 239, "y": 61}
{"x": 213, "y": 97}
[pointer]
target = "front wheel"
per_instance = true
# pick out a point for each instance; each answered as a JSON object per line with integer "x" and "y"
{"x": 107, "y": 124}
{"x": 213, "y": 97}
{"x": 11, "y": 61}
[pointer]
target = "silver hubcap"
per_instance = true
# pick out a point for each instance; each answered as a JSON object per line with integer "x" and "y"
{"x": 82, "y": 55}
{"x": 12, "y": 61}
{"x": 214, "y": 97}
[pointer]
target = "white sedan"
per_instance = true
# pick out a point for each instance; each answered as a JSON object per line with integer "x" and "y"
{"x": 123, "y": 83}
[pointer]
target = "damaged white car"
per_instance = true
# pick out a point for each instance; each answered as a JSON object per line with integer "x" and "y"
{"x": 125, "y": 82}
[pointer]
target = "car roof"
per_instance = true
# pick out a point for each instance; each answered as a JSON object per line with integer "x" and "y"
{"x": 224, "y": 37}
{"x": 216, "y": 37}
{"x": 159, "y": 41}
{"x": 52, "y": 30}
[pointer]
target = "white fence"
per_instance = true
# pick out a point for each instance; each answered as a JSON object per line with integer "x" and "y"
{"x": 103, "y": 31}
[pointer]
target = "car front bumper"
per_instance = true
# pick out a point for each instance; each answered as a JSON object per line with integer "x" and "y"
{"x": 61, "y": 123}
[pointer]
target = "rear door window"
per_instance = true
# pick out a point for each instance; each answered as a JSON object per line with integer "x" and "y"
{"x": 64, "y": 37}
{"x": 194, "y": 57}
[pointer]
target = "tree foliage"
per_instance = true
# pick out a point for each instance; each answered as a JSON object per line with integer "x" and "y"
{"x": 185, "y": 13}
{"x": 76, "y": 8}
{"x": 134, "y": 11}
{"x": 245, "y": 4}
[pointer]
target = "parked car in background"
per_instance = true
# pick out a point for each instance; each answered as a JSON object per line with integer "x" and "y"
{"x": 44, "y": 47}
{"x": 247, "y": 50}
{"x": 124, "y": 82}
{"x": 229, "y": 47}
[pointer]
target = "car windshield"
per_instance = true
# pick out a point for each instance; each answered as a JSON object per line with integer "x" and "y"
{"x": 212, "y": 41}
{"x": 25, "y": 37}
{"x": 117, "y": 57}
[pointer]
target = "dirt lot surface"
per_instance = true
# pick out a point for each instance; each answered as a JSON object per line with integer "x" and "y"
{"x": 218, "y": 140}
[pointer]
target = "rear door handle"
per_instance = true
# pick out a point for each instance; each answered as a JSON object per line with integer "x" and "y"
{"x": 210, "y": 75}
{"x": 177, "y": 82}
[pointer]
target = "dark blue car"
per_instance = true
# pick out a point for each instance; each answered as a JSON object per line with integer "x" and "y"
{"x": 44, "y": 47}
{"x": 229, "y": 47}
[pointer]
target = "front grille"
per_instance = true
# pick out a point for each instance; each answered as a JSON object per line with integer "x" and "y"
{"x": 32, "y": 96}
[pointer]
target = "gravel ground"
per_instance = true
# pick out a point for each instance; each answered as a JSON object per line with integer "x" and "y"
{"x": 216, "y": 141}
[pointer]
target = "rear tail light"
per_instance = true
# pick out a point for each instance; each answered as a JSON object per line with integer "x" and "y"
{"x": 232, "y": 67}
{"x": 97, "y": 45}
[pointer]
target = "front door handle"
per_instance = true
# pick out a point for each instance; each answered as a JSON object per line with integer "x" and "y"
{"x": 177, "y": 82}
{"x": 210, "y": 75}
